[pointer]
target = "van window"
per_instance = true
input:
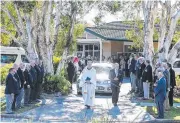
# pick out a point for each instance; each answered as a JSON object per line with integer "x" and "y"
{"x": 24, "y": 59}
{"x": 176, "y": 64}
{"x": 8, "y": 58}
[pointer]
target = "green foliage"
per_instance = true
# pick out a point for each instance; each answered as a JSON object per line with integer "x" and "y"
{"x": 56, "y": 61}
{"x": 176, "y": 36}
{"x": 62, "y": 37}
{"x": 56, "y": 83}
{"x": 7, "y": 24}
{"x": 27, "y": 6}
{"x": 178, "y": 81}
{"x": 4, "y": 72}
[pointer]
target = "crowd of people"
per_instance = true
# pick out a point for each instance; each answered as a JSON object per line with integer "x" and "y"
{"x": 146, "y": 82}
{"x": 23, "y": 85}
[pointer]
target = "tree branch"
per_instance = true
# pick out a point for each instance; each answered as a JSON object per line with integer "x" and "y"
{"x": 173, "y": 53}
{"x": 21, "y": 24}
{"x": 12, "y": 19}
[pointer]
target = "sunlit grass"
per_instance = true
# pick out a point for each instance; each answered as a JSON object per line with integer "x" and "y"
{"x": 174, "y": 112}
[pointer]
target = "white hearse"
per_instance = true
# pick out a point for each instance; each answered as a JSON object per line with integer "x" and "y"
{"x": 12, "y": 55}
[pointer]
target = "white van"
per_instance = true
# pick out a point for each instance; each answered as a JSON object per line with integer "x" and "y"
{"x": 12, "y": 55}
{"x": 176, "y": 66}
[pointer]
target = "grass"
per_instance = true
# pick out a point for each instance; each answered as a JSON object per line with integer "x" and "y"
{"x": 174, "y": 112}
{"x": 2, "y": 88}
{"x": 25, "y": 108}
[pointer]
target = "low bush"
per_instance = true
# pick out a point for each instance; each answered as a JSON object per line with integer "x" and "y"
{"x": 56, "y": 83}
{"x": 56, "y": 61}
{"x": 4, "y": 72}
{"x": 178, "y": 81}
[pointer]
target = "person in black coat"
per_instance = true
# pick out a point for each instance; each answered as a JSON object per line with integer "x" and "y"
{"x": 22, "y": 81}
{"x": 34, "y": 78}
{"x": 132, "y": 71}
{"x": 172, "y": 84}
{"x": 71, "y": 71}
{"x": 18, "y": 83}
{"x": 147, "y": 79}
{"x": 37, "y": 85}
{"x": 139, "y": 76}
{"x": 116, "y": 78}
{"x": 10, "y": 90}
{"x": 27, "y": 85}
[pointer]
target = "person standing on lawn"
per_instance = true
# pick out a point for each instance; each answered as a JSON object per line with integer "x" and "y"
{"x": 41, "y": 66}
{"x": 37, "y": 85}
{"x": 160, "y": 94}
{"x": 116, "y": 78}
{"x": 88, "y": 84}
{"x": 172, "y": 84}
{"x": 27, "y": 85}
{"x": 140, "y": 71}
{"x": 10, "y": 90}
{"x": 18, "y": 83}
{"x": 147, "y": 79}
{"x": 167, "y": 77}
{"x": 71, "y": 71}
{"x": 22, "y": 80}
{"x": 33, "y": 73}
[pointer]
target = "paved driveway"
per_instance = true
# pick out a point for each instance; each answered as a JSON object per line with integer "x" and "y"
{"x": 71, "y": 108}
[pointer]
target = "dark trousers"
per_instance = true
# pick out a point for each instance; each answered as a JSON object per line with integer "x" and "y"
{"x": 171, "y": 93}
{"x": 27, "y": 92}
{"x": 141, "y": 87}
{"x": 160, "y": 108}
{"x": 33, "y": 94}
{"x": 70, "y": 78}
{"x": 37, "y": 90}
{"x": 115, "y": 93}
{"x": 14, "y": 102}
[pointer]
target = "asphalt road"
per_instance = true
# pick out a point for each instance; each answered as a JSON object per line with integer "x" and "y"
{"x": 71, "y": 109}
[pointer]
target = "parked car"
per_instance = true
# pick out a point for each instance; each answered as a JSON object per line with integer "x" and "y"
{"x": 12, "y": 55}
{"x": 176, "y": 66}
{"x": 103, "y": 84}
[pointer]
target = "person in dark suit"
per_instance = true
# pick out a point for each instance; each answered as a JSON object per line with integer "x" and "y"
{"x": 172, "y": 84}
{"x": 116, "y": 78}
{"x": 34, "y": 78}
{"x": 27, "y": 85}
{"x": 71, "y": 71}
{"x": 132, "y": 71}
{"x": 41, "y": 66}
{"x": 37, "y": 85}
{"x": 22, "y": 81}
{"x": 18, "y": 84}
{"x": 10, "y": 90}
{"x": 139, "y": 76}
{"x": 160, "y": 94}
{"x": 147, "y": 79}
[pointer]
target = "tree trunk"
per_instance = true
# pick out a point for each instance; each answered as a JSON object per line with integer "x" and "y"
{"x": 174, "y": 51}
{"x": 62, "y": 62}
{"x": 148, "y": 10}
{"x": 69, "y": 36}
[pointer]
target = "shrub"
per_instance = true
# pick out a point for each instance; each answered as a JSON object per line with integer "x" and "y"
{"x": 56, "y": 83}
{"x": 56, "y": 61}
{"x": 178, "y": 81}
{"x": 4, "y": 72}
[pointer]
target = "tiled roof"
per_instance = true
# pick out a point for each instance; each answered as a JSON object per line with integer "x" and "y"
{"x": 113, "y": 31}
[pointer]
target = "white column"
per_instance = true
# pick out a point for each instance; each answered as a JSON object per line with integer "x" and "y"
{"x": 100, "y": 42}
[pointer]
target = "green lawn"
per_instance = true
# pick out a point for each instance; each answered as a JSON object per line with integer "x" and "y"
{"x": 174, "y": 113}
{"x": 25, "y": 108}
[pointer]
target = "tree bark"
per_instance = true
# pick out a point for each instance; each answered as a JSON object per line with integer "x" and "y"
{"x": 173, "y": 53}
{"x": 69, "y": 36}
{"x": 149, "y": 16}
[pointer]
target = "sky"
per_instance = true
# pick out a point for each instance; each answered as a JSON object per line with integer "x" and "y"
{"x": 108, "y": 17}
